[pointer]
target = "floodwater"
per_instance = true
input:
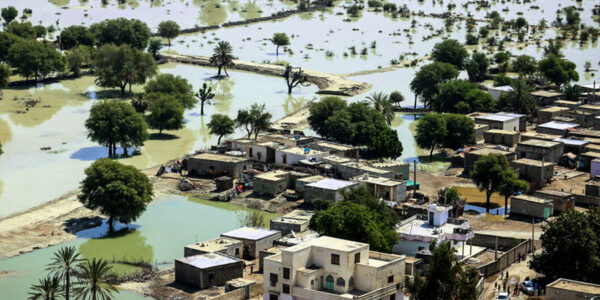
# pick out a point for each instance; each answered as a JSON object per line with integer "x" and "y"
{"x": 158, "y": 237}
{"x": 30, "y": 176}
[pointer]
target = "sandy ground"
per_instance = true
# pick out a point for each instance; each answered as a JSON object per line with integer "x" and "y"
{"x": 517, "y": 273}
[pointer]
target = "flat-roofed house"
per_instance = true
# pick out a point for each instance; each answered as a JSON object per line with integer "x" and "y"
{"x": 327, "y": 189}
{"x": 222, "y": 245}
{"x": 501, "y": 137}
{"x": 530, "y": 206}
{"x": 216, "y": 165}
{"x": 538, "y": 136}
{"x": 496, "y": 91}
{"x": 566, "y": 289}
{"x": 583, "y": 117}
{"x": 206, "y": 270}
{"x": 566, "y": 103}
{"x": 538, "y": 149}
{"x": 479, "y": 131}
{"x": 301, "y": 182}
{"x": 401, "y": 168}
{"x": 271, "y": 183}
{"x": 587, "y": 158}
{"x": 472, "y": 156}
{"x": 533, "y": 170}
{"x": 561, "y": 201}
{"x": 499, "y": 121}
{"x": 353, "y": 169}
{"x": 574, "y": 146}
{"x": 253, "y": 239}
{"x": 338, "y": 149}
{"x": 556, "y": 128}
{"x": 292, "y": 156}
{"x": 547, "y": 97}
{"x": 296, "y": 221}
{"x": 547, "y": 114}
{"x": 384, "y": 188}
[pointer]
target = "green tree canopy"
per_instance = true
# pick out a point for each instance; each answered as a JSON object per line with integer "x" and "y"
{"x": 427, "y": 80}
{"x": 385, "y": 144}
{"x": 24, "y": 29}
{"x": 450, "y": 51}
{"x": 489, "y": 173}
{"x": 6, "y": 41}
{"x": 558, "y": 70}
{"x": 47, "y": 288}
{"x": 118, "y": 191}
{"x": 64, "y": 265}
{"x": 510, "y": 186}
{"x": 121, "y": 31}
{"x": 121, "y": 66}
{"x": 9, "y": 13}
{"x": 254, "y": 120}
{"x": 98, "y": 281}
{"x": 166, "y": 113}
{"x": 220, "y": 125}
{"x": 113, "y": 123}
{"x": 460, "y": 96}
{"x": 173, "y": 85}
{"x": 205, "y": 95}
{"x": 222, "y": 56}
{"x": 154, "y": 47}
{"x": 460, "y": 131}
{"x": 5, "y": 73}
{"x": 33, "y": 59}
{"x": 570, "y": 247}
{"x": 280, "y": 39}
{"x": 382, "y": 103}
{"x": 477, "y": 67}
{"x": 525, "y": 65}
{"x": 76, "y": 35}
{"x": 321, "y": 111}
{"x": 79, "y": 57}
{"x": 168, "y": 29}
{"x": 431, "y": 132}
{"x": 519, "y": 99}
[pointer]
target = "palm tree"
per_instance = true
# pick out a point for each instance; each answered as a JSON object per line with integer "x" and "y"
{"x": 96, "y": 280}
{"x": 520, "y": 98}
{"x": 222, "y": 56}
{"x": 381, "y": 103}
{"x": 47, "y": 289}
{"x": 63, "y": 265}
{"x": 204, "y": 94}
{"x": 139, "y": 103}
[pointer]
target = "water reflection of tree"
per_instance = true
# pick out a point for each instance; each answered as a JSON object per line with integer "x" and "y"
{"x": 212, "y": 12}
{"x": 204, "y": 133}
{"x": 223, "y": 96}
{"x": 60, "y": 3}
{"x": 250, "y": 10}
{"x": 293, "y": 104}
{"x": 5, "y": 132}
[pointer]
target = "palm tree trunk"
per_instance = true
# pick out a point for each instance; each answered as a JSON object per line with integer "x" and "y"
{"x": 111, "y": 225}
{"x": 110, "y": 150}
{"x": 277, "y": 51}
{"x": 225, "y": 70}
{"x": 431, "y": 154}
{"x": 219, "y": 140}
{"x": 67, "y": 284}
{"x": 202, "y": 108}
{"x": 219, "y": 72}
{"x": 488, "y": 195}
{"x": 505, "y": 205}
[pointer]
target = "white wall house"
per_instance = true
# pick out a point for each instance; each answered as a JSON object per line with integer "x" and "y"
{"x": 292, "y": 156}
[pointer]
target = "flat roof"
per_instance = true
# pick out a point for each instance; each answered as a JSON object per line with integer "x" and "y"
{"x": 335, "y": 146}
{"x": 554, "y": 193}
{"x": 530, "y": 198}
{"x": 566, "y": 102}
{"x": 512, "y": 114}
{"x": 387, "y": 164}
{"x": 297, "y": 216}
{"x": 300, "y": 151}
{"x": 331, "y": 184}
{"x": 220, "y": 157}
{"x": 591, "y": 154}
{"x": 486, "y": 151}
{"x": 501, "y": 131}
{"x": 539, "y": 143}
{"x": 250, "y": 233}
{"x": 558, "y": 125}
{"x": 314, "y": 178}
{"x": 497, "y": 117}
{"x": 590, "y": 106}
{"x": 504, "y": 88}
{"x": 275, "y": 175}
{"x": 336, "y": 159}
{"x": 573, "y": 142}
{"x": 365, "y": 168}
{"x": 532, "y": 162}
{"x": 214, "y": 244}
{"x": 553, "y": 109}
{"x": 328, "y": 242}
{"x": 208, "y": 260}
{"x": 383, "y": 181}
{"x": 577, "y": 286}
{"x": 541, "y": 136}
{"x": 586, "y": 133}
{"x": 543, "y": 93}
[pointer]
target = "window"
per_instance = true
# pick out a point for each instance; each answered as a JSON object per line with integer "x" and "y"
{"x": 237, "y": 252}
{"x": 285, "y": 289}
{"x": 341, "y": 281}
{"x": 335, "y": 259}
{"x": 392, "y": 297}
{"x": 351, "y": 281}
{"x": 286, "y": 273}
{"x": 272, "y": 297}
{"x": 211, "y": 277}
{"x": 273, "y": 279}
{"x": 357, "y": 258}
{"x": 259, "y": 155}
{"x": 390, "y": 278}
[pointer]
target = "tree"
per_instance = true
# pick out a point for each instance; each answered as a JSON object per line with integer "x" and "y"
{"x": 510, "y": 186}
{"x": 570, "y": 247}
{"x": 1, "y": 149}
{"x": 280, "y": 39}
{"x": 554, "y": 48}
{"x": 461, "y": 96}
{"x": 64, "y": 266}
{"x": 502, "y": 60}
{"x": 321, "y": 111}
{"x": 169, "y": 30}
{"x": 520, "y": 22}
{"x": 48, "y": 288}
{"x": 502, "y": 80}
{"x": 359, "y": 217}
{"x": 460, "y": 131}
{"x": 24, "y": 30}
{"x": 40, "y": 31}
{"x": 446, "y": 278}
{"x": 118, "y": 191}
{"x": 74, "y": 36}
{"x": 79, "y": 57}
{"x": 477, "y": 67}
{"x": 113, "y": 122}
{"x": 244, "y": 121}
{"x": 9, "y": 14}
{"x": 6, "y": 41}
{"x": 222, "y": 57}
{"x": 205, "y": 95}
{"x": 220, "y": 125}
{"x": 381, "y": 102}
{"x": 519, "y": 99}
{"x": 121, "y": 66}
{"x": 430, "y": 132}
{"x": 572, "y": 92}
{"x": 261, "y": 120}
{"x": 396, "y": 97}
{"x": 175, "y": 86}
{"x": 450, "y": 196}
{"x": 292, "y": 79}
{"x": 254, "y": 218}
{"x": 558, "y": 70}
{"x": 121, "y": 31}
{"x": 33, "y": 59}
{"x": 429, "y": 77}
{"x": 450, "y": 51}
{"x": 385, "y": 144}
{"x": 5, "y": 73}
{"x": 97, "y": 280}
{"x": 166, "y": 113}
{"x": 154, "y": 47}
{"x": 489, "y": 173}
{"x": 525, "y": 65}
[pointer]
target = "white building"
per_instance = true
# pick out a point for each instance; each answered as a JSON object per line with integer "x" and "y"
{"x": 292, "y": 156}
{"x": 499, "y": 121}
{"x": 496, "y": 91}
{"x": 333, "y": 269}
{"x": 417, "y": 232}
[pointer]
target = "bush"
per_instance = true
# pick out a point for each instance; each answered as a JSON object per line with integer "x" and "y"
{"x": 472, "y": 39}
{"x": 389, "y": 7}
{"x": 375, "y": 3}
{"x": 502, "y": 80}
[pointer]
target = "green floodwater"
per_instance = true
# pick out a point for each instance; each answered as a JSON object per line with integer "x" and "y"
{"x": 158, "y": 236}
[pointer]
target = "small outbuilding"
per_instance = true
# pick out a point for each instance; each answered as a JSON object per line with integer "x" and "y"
{"x": 538, "y": 149}
{"x": 401, "y": 168}
{"x": 547, "y": 97}
{"x": 501, "y": 137}
{"x": 547, "y": 114}
{"x": 472, "y": 156}
{"x": 301, "y": 182}
{"x": 566, "y": 103}
{"x": 574, "y": 146}
{"x": 271, "y": 183}
{"x": 530, "y": 206}
{"x": 335, "y": 160}
{"x": 499, "y": 121}
{"x": 222, "y": 245}
{"x": 393, "y": 190}
{"x": 292, "y": 156}
{"x": 296, "y": 221}
{"x": 328, "y": 189}
{"x": 529, "y": 135}
{"x": 217, "y": 165}
{"x": 533, "y": 170}
{"x": 567, "y": 289}
{"x": 253, "y": 239}
{"x": 585, "y": 163}
{"x": 496, "y": 91}
{"x": 353, "y": 169}
{"x": 479, "y": 130}
{"x": 561, "y": 201}
{"x": 583, "y": 117}
{"x": 556, "y": 128}
{"x": 207, "y": 270}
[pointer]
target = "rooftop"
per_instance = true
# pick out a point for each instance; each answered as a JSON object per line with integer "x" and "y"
{"x": 504, "y": 88}
{"x": 542, "y": 93}
{"x": 486, "y": 151}
{"x": 496, "y": 117}
{"x": 539, "y": 143}
{"x": 573, "y": 142}
{"x": 554, "y": 109}
{"x": 335, "y": 159}
{"x": 275, "y": 175}
{"x": 295, "y": 217}
{"x": 566, "y": 102}
{"x": 250, "y": 233}
{"x": 500, "y": 131}
{"x": 540, "y": 136}
{"x": 314, "y": 178}
{"x": 531, "y": 199}
{"x": 365, "y": 168}
{"x": 512, "y": 114}
{"x": 383, "y": 181}
{"x": 208, "y": 260}
{"x": 532, "y": 162}
{"x": 590, "y": 107}
{"x": 331, "y": 184}
{"x": 586, "y": 133}
{"x": 577, "y": 286}
{"x": 328, "y": 242}
{"x": 220, "y": 157}
{"x": 386, "y": 164}
{"x": 591, "y": 154}
{"x": 554, "y": 193}
{"x": 213, "y": 245}
{"x": 302, "y": 151}
{"x": 336, "y": 146}
{"x": 418, "y": 229}
{"x": 558, "y": 125}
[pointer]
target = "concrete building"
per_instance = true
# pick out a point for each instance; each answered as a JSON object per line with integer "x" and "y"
{"x": 584, "y": 134}
{"x": 337, "y": 149}
{"x": 253, "y": 239}
{"x": 522, "y": 119}
{"x": 532, "y": 170}
{"x": 472, "y": 156}
{"x": 547, "y": 97}
{"x": 566, "y": 103}
{"x": 301, "y": 182}
{"x": 566, "y": 289}
{"x": 288, "y": 141}
{"x": 499, "y": 121}
{"x": 595, "y": 168}
{"x": 418, "y": 231}
{"x": 529, "y": 135}
{"x": 496, "y": 91}
{"x": 256, "y": 150}
{"x": 556, "y": 128}
{"x": 271, "y": 183}
{"x": 292, "y": 156}
{"x": 327, "y": 189}
{"x": 479, "y": 130}
{"x": 561, "y": 201}
{"x": 353, "y": 169}
{"x": 384, "y": 188}
{"x": 336, "y": 160}
{"x": 296, "y": 221}
{"x": 547, "y": 114}
{"x": 530, "y": 206}
{"x": 574, "y": 146}
{"x": 537, "y": 149}
{"x": 333, "y": 269}
{"x": 597, "y": 123}
{"x": 586, "y": 159}
{"x": 229, "y": 247}
{"x": 207, "y": 270}
{"x": 501, "y": 137}
{"x": 216, "y": 165}
{"x": 591, "y": 108}
{"x": 402, "y": 169}
{"x": 583, "y": 117}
